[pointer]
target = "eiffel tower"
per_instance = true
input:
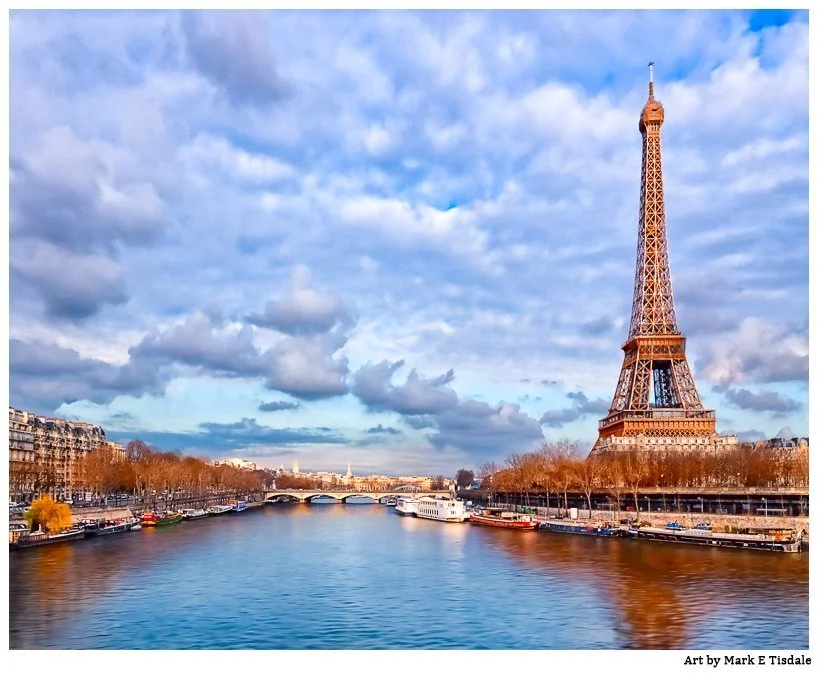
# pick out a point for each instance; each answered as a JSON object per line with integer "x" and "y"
{"x": 655, "y": 349}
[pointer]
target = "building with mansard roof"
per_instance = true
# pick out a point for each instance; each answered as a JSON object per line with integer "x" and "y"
{"x": 44, "y": 454}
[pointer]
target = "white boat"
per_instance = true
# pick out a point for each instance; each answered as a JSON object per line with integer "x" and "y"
{"x": 193, "y": 513}
{"x": 407, "y": 506}
{"x": 219, "y": 509}
{"x": 240, "y": 506}
{"x": 442, "y": 509}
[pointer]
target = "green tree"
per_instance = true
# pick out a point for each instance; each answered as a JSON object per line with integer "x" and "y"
{"x": 464, "y": 478}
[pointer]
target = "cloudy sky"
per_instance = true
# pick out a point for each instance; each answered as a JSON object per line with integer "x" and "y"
{"x": 404, "y": 240}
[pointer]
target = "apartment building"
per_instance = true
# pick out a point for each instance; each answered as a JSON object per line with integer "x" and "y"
{"x": 236, "y": 462}
{"x": 44, "y": 453}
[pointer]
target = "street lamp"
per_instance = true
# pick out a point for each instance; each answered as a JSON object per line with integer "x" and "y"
{"x": 648, "y": 501}
{"x": 765, "y": 507}
{"x": 701, "y": 505}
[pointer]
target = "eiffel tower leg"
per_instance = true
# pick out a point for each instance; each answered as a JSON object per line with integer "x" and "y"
{"x": 623, "y": 388}
{"x": 640, "y": 393}
{"x": 685, "y": 386}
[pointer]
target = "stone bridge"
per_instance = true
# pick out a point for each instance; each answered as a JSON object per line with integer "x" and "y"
{"x": 305, "y": 495}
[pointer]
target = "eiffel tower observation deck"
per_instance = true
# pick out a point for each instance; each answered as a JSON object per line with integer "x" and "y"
{"x": 656, "y": 404}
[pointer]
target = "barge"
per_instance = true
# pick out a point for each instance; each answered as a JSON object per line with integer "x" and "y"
{"x": 597, "y": 528}
{"x": 501, "y": 519}
{"x": 779, "y": 540}
{"x": 99, "y": 527}
{"x": 151, "y": 519}
{"x": 39, "y": 538}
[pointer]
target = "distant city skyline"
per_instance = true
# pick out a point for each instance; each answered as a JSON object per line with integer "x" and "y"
{"x": 409, "y": 247}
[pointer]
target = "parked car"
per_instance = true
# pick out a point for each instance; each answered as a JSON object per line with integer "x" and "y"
{"x": 675, "y": 525}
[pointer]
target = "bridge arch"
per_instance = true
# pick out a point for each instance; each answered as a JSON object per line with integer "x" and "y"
{"x": 342, "y": 496}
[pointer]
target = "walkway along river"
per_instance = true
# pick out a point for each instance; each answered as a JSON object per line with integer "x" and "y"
{"x": 354, "y": 576}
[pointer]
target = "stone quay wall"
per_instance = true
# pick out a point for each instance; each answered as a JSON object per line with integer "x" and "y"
{"x": 718, "y": 521}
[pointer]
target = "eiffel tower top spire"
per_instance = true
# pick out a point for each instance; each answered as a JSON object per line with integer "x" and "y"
{"x": 653, "y": 309}
{"x": 653, "y": 112}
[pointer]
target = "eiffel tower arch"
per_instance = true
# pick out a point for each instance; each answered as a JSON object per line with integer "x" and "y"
{"x": 655, "y": 404}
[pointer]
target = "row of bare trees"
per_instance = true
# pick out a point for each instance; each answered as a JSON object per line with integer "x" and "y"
{"x": 145, "y": 470}
{"x": 559, "y": 468}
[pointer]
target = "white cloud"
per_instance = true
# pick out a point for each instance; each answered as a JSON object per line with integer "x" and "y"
{"x": 472, "y": 192}
{"x": 231, "y": 162}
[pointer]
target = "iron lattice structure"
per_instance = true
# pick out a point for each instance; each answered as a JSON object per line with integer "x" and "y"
{"x": 655, "y": 357}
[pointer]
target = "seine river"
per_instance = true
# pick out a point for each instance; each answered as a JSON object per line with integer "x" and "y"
{"x": 291, "y": 576}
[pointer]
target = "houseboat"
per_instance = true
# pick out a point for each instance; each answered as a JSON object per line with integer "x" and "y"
{"x": 772, "y": 539}
{"x": 216, "y": 510}
{"x": 240, "y": 506}
{"x": 407, "y": 506}
{"x": 188, "y": 514}
{"x": 500, "y": 519}
{"x": 39, "y": 538}
{"x": 151, "y": 519}
{"x": 597, "y": 528}
{"x": 100, "y": 527}
{"x": 441, "y": 509}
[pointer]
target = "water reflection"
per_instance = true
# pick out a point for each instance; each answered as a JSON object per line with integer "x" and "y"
{"x": 297, "y": 576}
{"x": 663, "y": 592}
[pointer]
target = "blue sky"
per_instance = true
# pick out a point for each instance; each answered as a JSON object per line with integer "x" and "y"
{"x": 403, "y": 240}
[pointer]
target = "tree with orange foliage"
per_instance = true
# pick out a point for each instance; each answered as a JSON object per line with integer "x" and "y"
{"x": 565, "y": 455}
{"x": 51, "y": 516}
{"x": 588, "y": 474}
{"x": 636, "y": 468}
{"x": 614, "y": 476}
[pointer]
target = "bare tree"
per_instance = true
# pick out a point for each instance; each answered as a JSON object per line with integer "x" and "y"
{"x": 486, "y": 474}
{"x": 588, "y": 474}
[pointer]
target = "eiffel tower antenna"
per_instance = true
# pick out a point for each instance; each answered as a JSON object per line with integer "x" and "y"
{"x": 655, "y": 360}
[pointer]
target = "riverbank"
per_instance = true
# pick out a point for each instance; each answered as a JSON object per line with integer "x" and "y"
{"x": 718, "y": 521}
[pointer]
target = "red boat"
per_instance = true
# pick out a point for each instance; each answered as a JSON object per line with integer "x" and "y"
{"x": 501, "y": 519}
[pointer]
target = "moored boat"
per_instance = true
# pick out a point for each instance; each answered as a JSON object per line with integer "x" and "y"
{"x": 406, "y": 506}
{"x": 101, "y": 527}
{"x": 489, "y": 516}
{"x": 152, "y": 519}
{"x": 441, "y": 509}
{"x": 189, "y": 514}
{"x": 778, "y": 539}
{"x": 239, "y": 506}
{"x": 598, "y": 528}
{"x": 216, "y": 510}
{"x": 39, "y": 538}
{"x": 16, "y": 529}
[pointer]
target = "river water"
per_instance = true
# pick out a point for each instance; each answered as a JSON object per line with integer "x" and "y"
{"x": 290, "y": 576}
